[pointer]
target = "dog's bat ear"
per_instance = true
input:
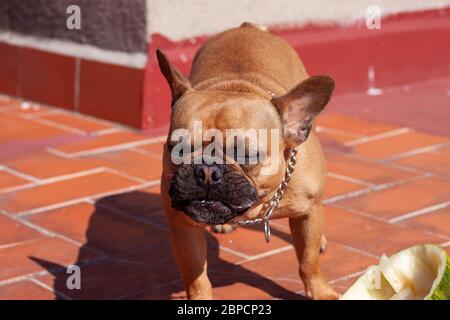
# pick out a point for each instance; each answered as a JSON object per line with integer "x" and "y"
{"x": 301, "y": 105}
{"x": 177, "y": 81}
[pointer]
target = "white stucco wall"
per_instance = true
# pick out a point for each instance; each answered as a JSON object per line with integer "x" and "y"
{"x": 180, "y": 19}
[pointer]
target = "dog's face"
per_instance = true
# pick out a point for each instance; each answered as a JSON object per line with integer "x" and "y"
{"x": 227, "y": 149}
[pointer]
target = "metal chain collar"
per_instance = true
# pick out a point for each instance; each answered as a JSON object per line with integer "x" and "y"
{"x": 275, "y": 200}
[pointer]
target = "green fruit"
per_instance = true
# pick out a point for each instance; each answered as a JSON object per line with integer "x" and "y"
{"x": 421, "y": 272}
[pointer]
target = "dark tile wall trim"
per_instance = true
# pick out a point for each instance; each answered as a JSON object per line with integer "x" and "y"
{"x": 99, "y": 89}
{"x": 111, "y": 92}
{"x": 9, "y": 61}
{"x": 46, "y": 77}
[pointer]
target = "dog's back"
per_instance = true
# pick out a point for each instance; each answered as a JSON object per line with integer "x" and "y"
{"x": 248, "y": 50}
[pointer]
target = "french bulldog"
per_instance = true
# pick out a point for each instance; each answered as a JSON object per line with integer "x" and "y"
{"x": 244, "y": 78}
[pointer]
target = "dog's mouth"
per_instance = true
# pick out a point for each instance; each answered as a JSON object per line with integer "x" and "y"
{"x": 211, "y": 211}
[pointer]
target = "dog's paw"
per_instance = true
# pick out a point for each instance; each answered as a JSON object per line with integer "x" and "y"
{"x": 319, "y": 289}
{"x": 223, "y": 228}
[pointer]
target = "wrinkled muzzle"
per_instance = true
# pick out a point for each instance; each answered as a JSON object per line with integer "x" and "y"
{"x": 211, "y": 194}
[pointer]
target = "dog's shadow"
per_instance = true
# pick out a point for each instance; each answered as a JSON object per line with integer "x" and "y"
{"x": 111, "y": 268}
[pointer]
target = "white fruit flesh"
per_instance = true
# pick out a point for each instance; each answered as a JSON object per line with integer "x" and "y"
{"x": 405, "y": 294}
{"x": 420, "y": 272}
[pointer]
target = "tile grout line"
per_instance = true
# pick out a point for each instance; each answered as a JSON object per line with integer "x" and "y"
{"x": 95, "y": 151}
{"x": 366, "y": 253}
{"x": 33, "y": 274}
{"x": 350, "y": 179}
{"x": 420, "y": 212}
{"x": 60, "y": 178}
{"x": 15, "y": 244}
{"x": 69, "y": 128}
{"x": 145, "y": 152}
{"x": 339, "y": 132}
{"x": 375, "y": 188}
{"x": 378, "y": 136}
{"x": 266, "y": 254}
{"x": 37, "y": 115}
{"x": 21, "y": 278}
{"x": 107, "y": 131}
{"x": 416, "y": 151}
{"x": 131, "y": 217}
{"x": 52, "y": 290}
{"x": 375, "y": 218}
{"x": 60, "y": 126}
{"x": 236, "y": 253}
{"x": 396, "y": 166}
{"x": 54, "y": 206}
{"x": 18, "y": 187}
{"x": 20, "y": 174}
{"x": 386, "y": 162}
{"x": 41, "y": 230}
{"x": 349, "y": 276}
{"x": 358, "y": 213}
{"x": 125, "y": 175}
{"x": 422, "y": 171}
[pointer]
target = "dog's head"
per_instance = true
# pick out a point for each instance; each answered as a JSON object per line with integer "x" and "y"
{"x": 228, "y": 149}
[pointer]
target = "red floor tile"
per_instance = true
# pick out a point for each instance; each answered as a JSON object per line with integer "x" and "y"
{"x": 99, "y": 143}
{"x": 431, "y": 161}
{"x": 335, "y": 136}
{"x": 276, "y": 276}
{"x": 19, "y": 133}
{"x": 131, "y": 162}
{"x": 8, "y": 180}
{"x": 335, "y": 187}
{"x": 352, "y": 125}
{"x": 444, "y": 151}
{"x": 82, "y": 123}
{"x": 370, "y": 235}
{"x": 144, "y": 204}
{"x": 364, "y": 170}
{"x": 12, "y": 232}
{"x": 436, "y": 221}
{"x": 254, "y": 287}
{"x": 45, "y": 165}
{"x": 25, "y": 290}
{"x": 343, "y": 285}
{"x": 61, "y": 191}
{"x": 250, "y": 241}
{"x": 402, "y": 199}
{"x": 397, "y": 144}
{"x": 172, "y": 291}
{"x": 111, "y": 279}
{"x": 285, "y": 265}
{"x": 155, "y": 148}
{"x": 97, "y": 228}
{"x": 51, "y": 253}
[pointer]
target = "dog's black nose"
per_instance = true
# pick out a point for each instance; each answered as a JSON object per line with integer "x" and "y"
{"x": 207, "y": 174}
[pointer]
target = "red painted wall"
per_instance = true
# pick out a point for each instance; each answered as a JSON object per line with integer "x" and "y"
{"x": 407, "y": 47}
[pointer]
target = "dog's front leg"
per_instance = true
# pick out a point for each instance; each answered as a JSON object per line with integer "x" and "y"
{"x": 306, "y": 234}
{"x": 190, "y": 248}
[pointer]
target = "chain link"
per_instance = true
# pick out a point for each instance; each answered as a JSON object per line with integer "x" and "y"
{"x": 276, "y": 198}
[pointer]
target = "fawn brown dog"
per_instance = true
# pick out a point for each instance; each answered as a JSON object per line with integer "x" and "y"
{"x": 246, "y": 78}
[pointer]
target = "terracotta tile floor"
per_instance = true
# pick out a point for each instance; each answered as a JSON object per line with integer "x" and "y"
{"x": 77, "y": 190}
